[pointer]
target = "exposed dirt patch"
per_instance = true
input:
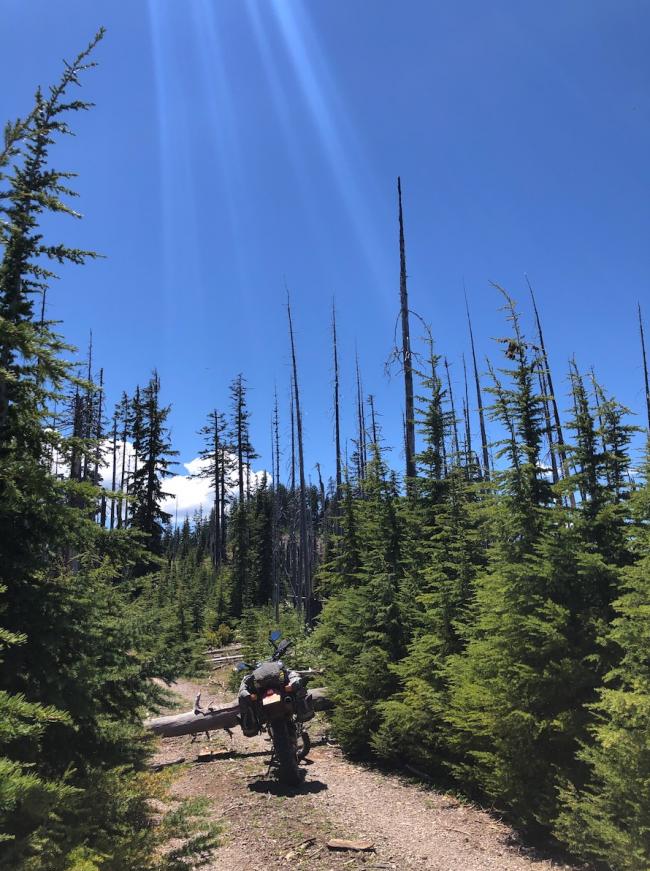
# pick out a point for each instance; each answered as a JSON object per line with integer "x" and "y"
{"x": 272, "y": 827}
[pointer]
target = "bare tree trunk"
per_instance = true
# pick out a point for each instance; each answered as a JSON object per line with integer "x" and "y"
{"x": 293, "y": 442}
{"x": 305, "y": 582}
{"x": 544, "y": 390}
{"x": 556, "y": 414}
{"x": 645, "y": 368}
{"x": 337, "y": 418}
{"x": 292, "y": 546}
{"x": 125, "y": 432}
{"x": 453, "y": 414}
{"x": 137, "y": 437}
{"x": 361, "y": 429}
{"x": 224, "y": 716}
{"x": 321, "y": 486}
{"x": 114, "y": 478}
{"x": 98, "y": 448}
{"x": 479, "y": 400}
{"x": 468, "y": 428}
{"x": 409, "y": 413}
{"x": 275, "y": 573}
{"x": 576, "y": 379}
{"x": 373, "y": 421}
{"x": 76, "y": 466}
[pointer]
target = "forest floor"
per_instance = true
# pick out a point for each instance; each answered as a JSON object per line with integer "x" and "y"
{"x": 267, "y": 826}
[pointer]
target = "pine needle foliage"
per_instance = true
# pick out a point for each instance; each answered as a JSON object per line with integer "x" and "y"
{"x": 607, "y": 817}
{"x": 75, "y": 673}
{"x": 360, "y": 629}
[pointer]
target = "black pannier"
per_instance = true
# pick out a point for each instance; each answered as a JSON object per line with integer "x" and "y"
{"x": 269, "y": 676}
{"x": 304, "y": 707}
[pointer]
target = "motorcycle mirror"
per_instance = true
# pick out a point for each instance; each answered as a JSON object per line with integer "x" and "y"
{"x": 275, "y": 635}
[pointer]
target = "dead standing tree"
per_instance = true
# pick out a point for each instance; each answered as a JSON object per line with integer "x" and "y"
{"x": 645, "y": 368}
{"x": 479, "y": 400}
{"x": 407, "y": 361}
{"x": 454, "y": 419}
{"x": 337, "y": 415}
{"x": 362, "y": 459}
{"x": 304, "y": 584}
{"x": 275, "y": 516}
{"x": 561, "y": 449}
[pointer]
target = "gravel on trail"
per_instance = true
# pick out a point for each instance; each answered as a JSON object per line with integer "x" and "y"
{"x": 269, "y": 827}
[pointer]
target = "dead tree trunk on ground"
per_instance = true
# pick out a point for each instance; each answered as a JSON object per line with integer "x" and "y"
{"x": 224, "y": 716}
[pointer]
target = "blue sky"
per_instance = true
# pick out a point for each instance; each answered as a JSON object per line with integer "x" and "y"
{"x": 238, "y": 145}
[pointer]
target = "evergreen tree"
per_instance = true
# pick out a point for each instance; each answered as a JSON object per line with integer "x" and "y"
{"x": 508, "y": 687}
{"x": 608, "y": 817}
{"x": 75, "y": 675}
{"x": 216, "y": 467}
{"x": 240, "y": 435}
{"x": 441, "y": 554}
{"x": 154, "y": 453}
{"x": 360, "y": 628}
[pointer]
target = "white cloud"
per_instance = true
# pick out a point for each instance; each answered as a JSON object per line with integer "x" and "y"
{"x": 187, "y": 494}
{"x": 195, "y": 493}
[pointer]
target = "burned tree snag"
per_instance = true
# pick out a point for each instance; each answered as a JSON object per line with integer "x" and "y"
{"x": 479, "y": 400}
{"x": 467, "y": 422}
{"x": 407, "y": 361}
{"x": 124, "y": 411}
{"x": 361, "y": 428}
{"x": 645, "y": 368}
{"x": 454, "y": 422}
{"x": 544, "y": 391}
{"x": 305, "y": 575}
{"x": 337, "y": 416}
{"x": 275, "y": 510}
{"x": 373, "y": 422}
{"x": 114, "y": 476}
{"x": 556, "y": 413}
{"x": 99, "y": 435}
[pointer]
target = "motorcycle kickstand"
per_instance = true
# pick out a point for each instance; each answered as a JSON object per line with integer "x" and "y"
{"x": 272, "y": 763}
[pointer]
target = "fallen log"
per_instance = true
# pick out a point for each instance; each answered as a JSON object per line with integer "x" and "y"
{"x": 223, "y": 660}
{"x": 224, "y": 716}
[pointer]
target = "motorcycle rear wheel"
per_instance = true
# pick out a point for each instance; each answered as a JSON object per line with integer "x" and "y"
{"x": 285, "y": 746}
{"x": 304, "y": 744}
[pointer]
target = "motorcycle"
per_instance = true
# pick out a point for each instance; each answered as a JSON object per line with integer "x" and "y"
{"x": 273, "y": 698}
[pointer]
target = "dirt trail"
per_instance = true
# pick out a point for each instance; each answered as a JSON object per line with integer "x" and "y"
{"x": 270, "y": 827}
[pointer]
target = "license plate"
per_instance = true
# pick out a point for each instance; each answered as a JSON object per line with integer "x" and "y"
{"x": 271, "y": 700}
